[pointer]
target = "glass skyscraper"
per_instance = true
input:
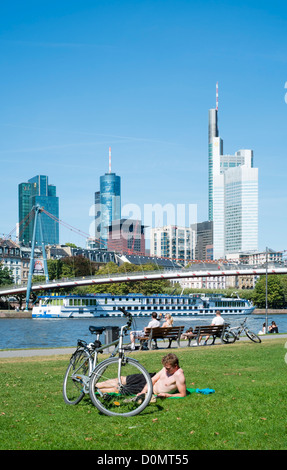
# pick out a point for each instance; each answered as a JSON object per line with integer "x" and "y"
{"x": 232, "y": 196}
{"x": 110, "y": 191}
{"x": 108, "y": 206}
{"x": 241, "y": 207}
{"x": 37, "y": 191}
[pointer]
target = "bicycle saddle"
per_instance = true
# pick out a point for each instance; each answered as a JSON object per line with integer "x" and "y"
{"x": 97, "y": 329}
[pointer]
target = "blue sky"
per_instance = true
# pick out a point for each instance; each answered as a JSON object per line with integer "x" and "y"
{"x": 140, "y": 76}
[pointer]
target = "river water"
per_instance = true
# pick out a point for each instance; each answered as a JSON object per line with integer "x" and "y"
{"x": 61, "y": 332}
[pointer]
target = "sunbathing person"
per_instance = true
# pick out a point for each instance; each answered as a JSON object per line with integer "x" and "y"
{"x": 169, "y": 381}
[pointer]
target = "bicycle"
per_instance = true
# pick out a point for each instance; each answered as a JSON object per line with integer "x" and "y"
{"x": 232, "y": 334}
{"x": 85, "y": 375}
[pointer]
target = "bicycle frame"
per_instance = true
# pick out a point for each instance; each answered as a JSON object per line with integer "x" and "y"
{"x": 237, "y": 330}
{"x": 93, "y": 354}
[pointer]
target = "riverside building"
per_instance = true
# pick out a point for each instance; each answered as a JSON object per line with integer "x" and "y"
{"x": 173, "y": 242}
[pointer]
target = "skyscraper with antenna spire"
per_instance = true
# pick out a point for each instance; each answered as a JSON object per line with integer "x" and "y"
{"x": 107, "y": 204}
{"x": 232, "y": 194}
{"x": 215, "y": 145}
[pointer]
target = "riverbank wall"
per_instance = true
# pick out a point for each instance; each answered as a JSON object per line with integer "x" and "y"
{"x": 15, "y": 314}
{"x": 270, "y": 311}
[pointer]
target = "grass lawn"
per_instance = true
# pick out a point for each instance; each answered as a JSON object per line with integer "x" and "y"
{"x": 247, "y": 411}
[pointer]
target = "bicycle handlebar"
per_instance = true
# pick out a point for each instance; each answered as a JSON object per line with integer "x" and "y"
{"x": 127, "y": 314}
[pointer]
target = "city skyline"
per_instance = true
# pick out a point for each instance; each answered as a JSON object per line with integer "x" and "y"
{"x": 141, "y": 79}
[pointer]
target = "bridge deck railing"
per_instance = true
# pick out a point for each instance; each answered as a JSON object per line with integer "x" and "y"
{"x": 203, "y": 268}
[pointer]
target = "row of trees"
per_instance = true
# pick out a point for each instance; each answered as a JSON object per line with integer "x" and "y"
{"x": 79, "y": 266}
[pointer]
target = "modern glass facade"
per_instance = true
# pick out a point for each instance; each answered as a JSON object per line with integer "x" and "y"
{"x": 241, "y": 209}
{"x": 235, "y": 203}
{"x": 110, "y": 200}
{"x": 37, "y": 191}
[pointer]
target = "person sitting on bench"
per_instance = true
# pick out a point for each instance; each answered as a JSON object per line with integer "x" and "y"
{"x": 154, "y": 323}
{"x": 217, "y": 320}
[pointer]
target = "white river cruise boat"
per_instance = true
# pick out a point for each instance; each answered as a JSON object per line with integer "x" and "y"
{"x": 107, "y": 305}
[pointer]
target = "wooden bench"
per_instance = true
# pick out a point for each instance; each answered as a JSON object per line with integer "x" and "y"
{"x": 215, "y": 331}
{"x": 171, "y": 333}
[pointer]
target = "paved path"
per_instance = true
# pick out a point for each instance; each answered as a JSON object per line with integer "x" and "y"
{"x": 69, "y": 351}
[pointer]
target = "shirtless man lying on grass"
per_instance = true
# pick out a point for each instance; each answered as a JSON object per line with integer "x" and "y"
{"x": 169, "y": 381}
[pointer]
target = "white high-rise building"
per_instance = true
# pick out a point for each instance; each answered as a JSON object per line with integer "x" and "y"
{"x": 241, "y": 206}
{"x": 173, "y": 242}
{"x": 233, "y": 197}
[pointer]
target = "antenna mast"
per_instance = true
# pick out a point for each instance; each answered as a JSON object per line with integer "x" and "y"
{"x": 110, "y": 160}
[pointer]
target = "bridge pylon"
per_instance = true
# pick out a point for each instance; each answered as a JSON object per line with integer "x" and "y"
{"x": 37, "y": 220}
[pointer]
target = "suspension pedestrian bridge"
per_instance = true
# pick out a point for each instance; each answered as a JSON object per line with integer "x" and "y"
{"x": 189, "y": 272}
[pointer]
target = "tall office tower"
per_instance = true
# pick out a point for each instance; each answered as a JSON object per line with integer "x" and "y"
{"x": 109, "y": 197}
{"x": 232, "y": 196}
{"x": 37, "y": 191}
{"x": 241, "y": 206}
{"x": 214, "y": 146}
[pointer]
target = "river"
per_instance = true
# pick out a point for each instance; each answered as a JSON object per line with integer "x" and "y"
{"x": 25, "y": 333}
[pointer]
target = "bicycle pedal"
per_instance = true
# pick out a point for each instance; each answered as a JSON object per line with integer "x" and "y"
{"x": 140, "y": 398}
{"x": 107, "y": 397}
{"x": 129, "y": 400}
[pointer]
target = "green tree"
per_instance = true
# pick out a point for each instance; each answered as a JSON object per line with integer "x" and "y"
{"x": 6, "y": 277}
{"x": 77, "y": 266}
{"x": 141, "y": 287}
{"x": 55, "y": 267}
{"x": 275, "y": 292}
{"x": 284, "y": 285}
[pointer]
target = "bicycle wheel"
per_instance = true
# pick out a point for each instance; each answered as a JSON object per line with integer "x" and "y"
{"x": 75, "y": 384}
{"x": 252, "y": 336}
{"x": 228, "y": 337}
{"x": 119, "y": 398}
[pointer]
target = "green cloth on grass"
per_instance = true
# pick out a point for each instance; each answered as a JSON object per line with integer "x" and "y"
{"x": 204, "y": 391}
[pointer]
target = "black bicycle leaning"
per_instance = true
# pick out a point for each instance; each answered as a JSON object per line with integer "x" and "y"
{"x": 232, "y": 334}
{"x": 85, "y": 375}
